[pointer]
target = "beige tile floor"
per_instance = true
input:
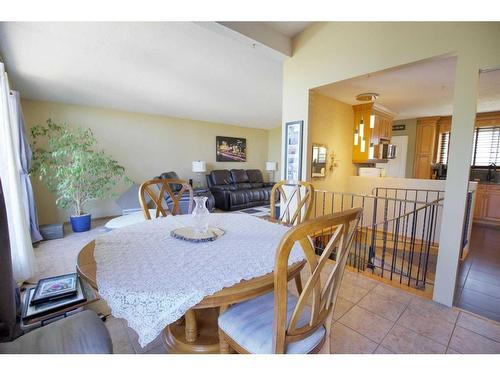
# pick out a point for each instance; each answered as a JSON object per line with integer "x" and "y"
{"x": 370, "y": 317}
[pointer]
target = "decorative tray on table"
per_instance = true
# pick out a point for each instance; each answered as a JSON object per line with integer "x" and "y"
{"x": 192, "y": 235}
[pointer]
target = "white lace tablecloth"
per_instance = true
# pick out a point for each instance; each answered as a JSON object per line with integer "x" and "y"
{"x": 151, "y": 279}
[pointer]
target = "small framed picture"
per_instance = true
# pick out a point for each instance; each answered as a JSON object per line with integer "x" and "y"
{"x": 293, "y": 150}
{"x": 53, "y": 288}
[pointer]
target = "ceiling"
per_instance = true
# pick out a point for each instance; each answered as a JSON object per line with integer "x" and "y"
{"x": 177, "y": 69}
{"x": 417, "y": 90}
{"x": 289, "y": 29}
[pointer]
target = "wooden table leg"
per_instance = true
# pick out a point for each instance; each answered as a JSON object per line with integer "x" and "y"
{"x": 191, "y": 326}
{"x": 197, "y": 334}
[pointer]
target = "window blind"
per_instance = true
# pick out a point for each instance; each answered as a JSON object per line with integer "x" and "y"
{"x": 486, "y": 148}
{"x": 443, "y": 147}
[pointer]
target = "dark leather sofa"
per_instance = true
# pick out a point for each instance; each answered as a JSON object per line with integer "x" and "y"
{"x": 238, "y": 188}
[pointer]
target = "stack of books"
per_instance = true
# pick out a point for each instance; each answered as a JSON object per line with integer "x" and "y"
{"x": 52, "y": 294}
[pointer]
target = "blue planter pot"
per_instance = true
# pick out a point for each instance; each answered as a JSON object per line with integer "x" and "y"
{"x": 80, "y": 223}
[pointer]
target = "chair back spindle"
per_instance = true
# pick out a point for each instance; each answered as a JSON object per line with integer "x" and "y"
{"x": 158, "y": 191}
{"x": 296, "y": 201}
{"x": 322, "y": 286}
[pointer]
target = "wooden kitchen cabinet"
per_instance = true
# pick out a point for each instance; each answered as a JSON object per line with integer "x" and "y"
{"x": 479, "y": 205}
{"x": 487, "y": 207}
{"x": 425, "y": 147}
{"x": 384, "y": 127}
{"x": 380, "y": 133}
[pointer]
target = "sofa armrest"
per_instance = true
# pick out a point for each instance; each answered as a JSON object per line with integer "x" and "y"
{"x": 221, "y": 198}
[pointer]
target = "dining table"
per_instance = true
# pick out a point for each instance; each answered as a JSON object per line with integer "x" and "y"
{"x": 164, "y": 285}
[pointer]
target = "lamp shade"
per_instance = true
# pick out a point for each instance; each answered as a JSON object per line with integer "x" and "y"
{"x": 271, "y": 166}
{"x": 199, "y": 166}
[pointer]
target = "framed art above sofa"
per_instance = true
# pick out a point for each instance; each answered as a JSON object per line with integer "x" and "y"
{"x": 231, "y": 149}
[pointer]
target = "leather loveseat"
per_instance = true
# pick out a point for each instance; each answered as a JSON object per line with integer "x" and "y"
{"x": 238, "y": 188}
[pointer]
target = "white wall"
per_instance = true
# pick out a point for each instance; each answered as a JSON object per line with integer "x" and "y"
{"x": 274, "y": 151}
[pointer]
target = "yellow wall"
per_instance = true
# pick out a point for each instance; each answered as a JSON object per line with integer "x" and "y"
{"x": 334, "y": 51}
{"x": 274, "y": 150}
{"x": 329, "y": 52}
{"x": 330, "y": 124}
{"x": 146, "y": 146}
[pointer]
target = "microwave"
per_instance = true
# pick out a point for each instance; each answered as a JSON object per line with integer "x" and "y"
{"x": 385, "y": 151}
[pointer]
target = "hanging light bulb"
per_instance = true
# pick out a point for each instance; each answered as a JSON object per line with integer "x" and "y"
{"x": 361, "y": 128}
{"x": 372, "y": 121}
{"x": 363, "y": 145}
{"x": 356, "y": 137}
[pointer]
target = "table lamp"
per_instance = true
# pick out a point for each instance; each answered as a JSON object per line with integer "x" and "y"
{"x": 199, "y": 167}
{"x": 271, "y": 166}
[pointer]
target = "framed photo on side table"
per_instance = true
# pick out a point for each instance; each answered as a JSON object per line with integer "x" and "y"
{"x": 293, "y": 150}
{"x": 52, "y": 288}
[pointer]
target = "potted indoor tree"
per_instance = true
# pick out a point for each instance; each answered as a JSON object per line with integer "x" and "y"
{"x": 64, "y": 158}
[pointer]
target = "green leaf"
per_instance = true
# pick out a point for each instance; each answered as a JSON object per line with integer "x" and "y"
{"x": 65, "y": 159}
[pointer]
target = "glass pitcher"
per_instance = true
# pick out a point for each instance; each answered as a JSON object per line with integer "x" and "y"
{"x": 200, "y": 214}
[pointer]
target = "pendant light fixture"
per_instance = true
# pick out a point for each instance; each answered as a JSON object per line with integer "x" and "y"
{"x": 372, "y": 121}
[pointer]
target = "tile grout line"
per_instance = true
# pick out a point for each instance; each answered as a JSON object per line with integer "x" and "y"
{"x": 420, "y": 334}
{"x": 479, "y": 334}
{"x": 395, "y": 322}
{"x": 477, "y": 316}
{"x": 452, "y": 333}
{"x": 359, "y": 333}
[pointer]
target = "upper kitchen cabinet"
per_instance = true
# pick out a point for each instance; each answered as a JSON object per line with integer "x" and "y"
{"x": 372, "y": 127}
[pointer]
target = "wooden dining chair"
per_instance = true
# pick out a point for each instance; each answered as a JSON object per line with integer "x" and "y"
{"x": 162, "y": 192}
{"x": 279, "y": 322}
{"x": 296, "y": 201}
{"x": 296, "y": 204}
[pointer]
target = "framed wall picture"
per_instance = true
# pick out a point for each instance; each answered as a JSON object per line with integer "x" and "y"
{"x": 293, "y": 150}
{"x": 231, "y": 149}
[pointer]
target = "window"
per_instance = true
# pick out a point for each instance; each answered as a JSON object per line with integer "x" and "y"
{"x": 443, "y": 147}
{"x": 486, "y": 148}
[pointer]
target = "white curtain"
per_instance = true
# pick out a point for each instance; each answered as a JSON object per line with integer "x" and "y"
{"x": 23, "y": 258}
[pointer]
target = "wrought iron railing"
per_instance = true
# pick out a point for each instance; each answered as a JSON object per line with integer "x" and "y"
{"x": 396, "y": 238}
